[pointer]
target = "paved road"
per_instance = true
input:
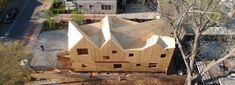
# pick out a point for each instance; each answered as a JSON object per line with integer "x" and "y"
{"x": 17, "y": 29}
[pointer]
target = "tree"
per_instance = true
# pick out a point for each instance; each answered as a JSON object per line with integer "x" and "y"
{"x": 78, "y": 18}
{"x": 48, "y": 14}
{"x": 51, "y": 24}
{"x": 198, "y": 15}
{"x": 2, "y": 4}
{"x": 56, "y": 2}
{"x": 11, "y": 53}
{"x": 229, "y": 6}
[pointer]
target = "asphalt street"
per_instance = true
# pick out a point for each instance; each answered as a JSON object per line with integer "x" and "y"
{"x": 19, "y": 27}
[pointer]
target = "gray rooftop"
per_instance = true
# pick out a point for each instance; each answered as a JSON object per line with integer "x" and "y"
{"x": 219, "y": 31}
{"x": 227, "y": 81}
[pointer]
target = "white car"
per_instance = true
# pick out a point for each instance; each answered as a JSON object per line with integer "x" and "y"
{"x": 232, "y": 76}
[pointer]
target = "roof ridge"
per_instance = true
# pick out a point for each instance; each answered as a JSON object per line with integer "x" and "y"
{"x": 106, "y": 28}
{"x": 161, "y": 42}
{"x": 107, "y": 31}
{"x": 82, "y": 33}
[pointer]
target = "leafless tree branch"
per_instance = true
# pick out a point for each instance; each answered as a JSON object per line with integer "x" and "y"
{"x": 212, "y": 63}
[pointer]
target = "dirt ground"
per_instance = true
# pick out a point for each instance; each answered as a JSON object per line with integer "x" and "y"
{"x": 56, "y": 77}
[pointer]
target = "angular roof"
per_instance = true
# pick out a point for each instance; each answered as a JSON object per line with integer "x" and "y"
{"x": 126, "y": 34}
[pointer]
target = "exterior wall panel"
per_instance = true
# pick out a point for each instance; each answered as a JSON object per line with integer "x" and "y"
{"x": 95, "y": 62}
{"x": 97, "y": 6}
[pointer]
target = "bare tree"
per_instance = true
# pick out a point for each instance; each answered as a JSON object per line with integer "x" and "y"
{"x": 229, "y": 6}
{"x": 197, "y": 15}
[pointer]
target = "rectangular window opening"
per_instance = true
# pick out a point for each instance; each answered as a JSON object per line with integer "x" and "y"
{"x": 163, "y": 55}
{"x": 84, "y": 65}
{"x": 114, "y": 52}
{"x": 131, "y": 55}
{"x": 106, "y": 57}
{"x": 90, "y": 7}
{"x": 106, "y": 7}
{"x": 102, "y": 7}
{"x": 138, "y": 64}
{"x": 117, "y": 66}
{"x": 80, "y": 6}
{"x": 82, "y": 51}
{"x": 152, "y": 65}
{"x": 109, "y": 7}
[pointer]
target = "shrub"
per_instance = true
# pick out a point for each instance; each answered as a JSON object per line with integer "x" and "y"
{"x": 57, "y": 7}
{"x": 57, "y": 10}
{"x": 78, "y": 18}
{"x": 51, "y": 24}
{"x": 2, "y": 4}
{"x": 76, "y": 11}
{"x": 11, "y": 73}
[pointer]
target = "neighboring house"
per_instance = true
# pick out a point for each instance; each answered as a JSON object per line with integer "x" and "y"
{"x": 211, "y": 32}
{"x": 70, "y": 4}
{"x": 100, "y": 6}
{"x": 229, "y": 80}
{"x": 119, "y": 45}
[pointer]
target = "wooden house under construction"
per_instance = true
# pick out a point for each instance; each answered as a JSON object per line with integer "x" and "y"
{"x": 119, "y": 45}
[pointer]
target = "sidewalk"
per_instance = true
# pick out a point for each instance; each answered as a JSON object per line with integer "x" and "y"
{"x": 31, "y": 36}
{"x": 43, "y": 60}
{"x": 46, "y": 4}
{"x": 31, "y": 39}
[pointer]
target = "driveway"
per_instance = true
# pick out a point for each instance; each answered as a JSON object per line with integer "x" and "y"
{"x": 53, "y": 42}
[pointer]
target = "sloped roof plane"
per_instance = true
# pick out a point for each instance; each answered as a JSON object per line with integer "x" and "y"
{"x": 106, "y": 28}
{"x": 125, "y": 34}
{"x": 75, "y": 35}
{"x": 169, "y": 41}
{"x": 106, "y": 31}
{"x": 72, "y": 32}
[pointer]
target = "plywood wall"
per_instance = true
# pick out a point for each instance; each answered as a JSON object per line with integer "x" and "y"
{"x": 143, "y": 57}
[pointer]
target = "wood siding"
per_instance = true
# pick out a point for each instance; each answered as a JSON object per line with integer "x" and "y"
{"x": 95, "y": 61}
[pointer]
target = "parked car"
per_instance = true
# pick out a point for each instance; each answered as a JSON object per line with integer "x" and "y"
{"x": 9, "y": 16}
{"x": 232, "y": 76}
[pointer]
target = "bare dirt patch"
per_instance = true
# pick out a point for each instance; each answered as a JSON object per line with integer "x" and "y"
{"x": 70, "y": 78}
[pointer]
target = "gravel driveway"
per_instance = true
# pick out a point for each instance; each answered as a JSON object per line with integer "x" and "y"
{"x": 53, "y": 42}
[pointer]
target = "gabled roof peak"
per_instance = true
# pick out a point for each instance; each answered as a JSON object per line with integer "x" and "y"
{"x": 73, "y": 31}
{"x": 106, "y": 28}
{"x": 128, "y": 35}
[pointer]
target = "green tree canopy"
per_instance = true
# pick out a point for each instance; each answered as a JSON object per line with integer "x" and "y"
{"x": 78, "y": 18}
